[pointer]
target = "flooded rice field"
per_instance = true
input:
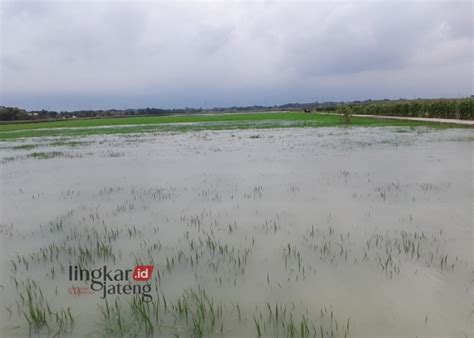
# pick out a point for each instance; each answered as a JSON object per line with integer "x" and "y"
{"x": 330, "y": 232}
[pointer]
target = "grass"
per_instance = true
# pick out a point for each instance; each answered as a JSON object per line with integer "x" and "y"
{"x": 183, "y": 123}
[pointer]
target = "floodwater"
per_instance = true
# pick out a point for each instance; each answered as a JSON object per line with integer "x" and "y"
{"x": 357, "y": 232}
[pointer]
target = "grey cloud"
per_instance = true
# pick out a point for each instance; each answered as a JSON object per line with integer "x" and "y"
{"x": 180, "y": 54}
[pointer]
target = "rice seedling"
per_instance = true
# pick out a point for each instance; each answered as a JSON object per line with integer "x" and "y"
{"x": 226, "y": 261}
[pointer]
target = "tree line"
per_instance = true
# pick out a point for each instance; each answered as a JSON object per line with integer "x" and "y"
{"x": 434, "y": 108}
{"x": 462, "y": 109}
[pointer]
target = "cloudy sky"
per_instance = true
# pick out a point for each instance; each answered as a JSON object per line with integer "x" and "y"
{"x": 68, "y": 55}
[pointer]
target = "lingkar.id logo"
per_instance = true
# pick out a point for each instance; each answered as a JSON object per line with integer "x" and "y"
{"x": 113, "y": 281}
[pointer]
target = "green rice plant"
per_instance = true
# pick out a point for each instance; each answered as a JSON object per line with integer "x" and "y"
{"x": 304, "y": 328}
{"x": 39, "y": 314}
{"x": 141, "y": 311}
{"x": 258, "y": 326}
{"x": 113, "y": 321}
{"x": 203, "y": 312}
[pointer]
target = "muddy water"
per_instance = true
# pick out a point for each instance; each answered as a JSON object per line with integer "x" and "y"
{"x": 371, "y": 226}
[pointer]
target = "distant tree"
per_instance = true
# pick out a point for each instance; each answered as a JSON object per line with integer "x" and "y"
{"x": 12, "y": 113}
{"x": 346, "y": 113}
